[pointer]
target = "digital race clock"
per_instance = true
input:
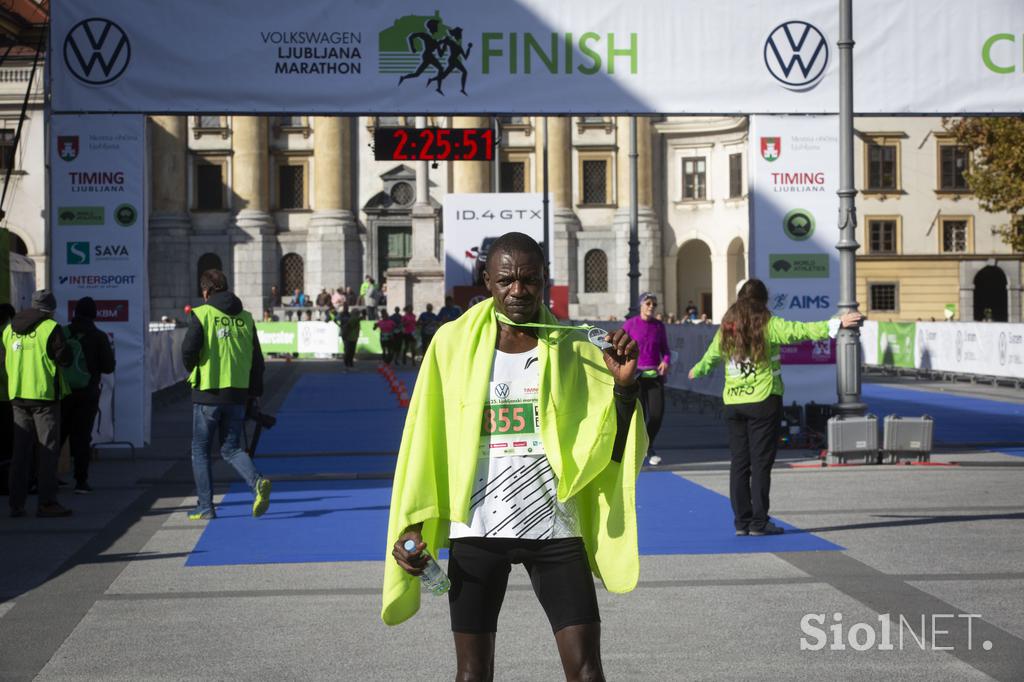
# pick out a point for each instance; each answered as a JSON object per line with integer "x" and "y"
{"x": 433, "y": 144}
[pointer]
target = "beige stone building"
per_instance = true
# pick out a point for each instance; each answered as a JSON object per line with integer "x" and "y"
{"x": 925, "y": 242}
{"x": 299, "y": 202}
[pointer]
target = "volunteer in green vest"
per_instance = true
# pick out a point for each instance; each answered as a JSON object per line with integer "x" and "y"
{"x": 748, "y": 343}
{"x": 522, "y": 446}
{"x": 33, "y": 349}
{"x": 222, "y": 353}
{"x": 91, "y": 356}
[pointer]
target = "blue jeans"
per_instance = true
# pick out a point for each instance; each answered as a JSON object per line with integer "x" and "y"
{"x": 205, "y": 420}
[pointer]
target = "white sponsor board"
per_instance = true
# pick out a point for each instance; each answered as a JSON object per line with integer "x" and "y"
{"x": 992, "y": 349}
{"x": 533, "y": 56}
{"x": 473, "y": 221}
{"x": 317, "y": 337}
{"x": 97, "y": 224}
{"x": 794, "y": 176}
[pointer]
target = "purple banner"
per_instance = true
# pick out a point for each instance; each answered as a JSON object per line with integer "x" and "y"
{"x": 809, "y": 353}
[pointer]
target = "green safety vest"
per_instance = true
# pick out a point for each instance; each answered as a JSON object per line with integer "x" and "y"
{"x": 226, "y": 357}
{"x": 31, "y": 372}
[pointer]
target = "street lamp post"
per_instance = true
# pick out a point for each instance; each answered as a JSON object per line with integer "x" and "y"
{"x": 634, "y": 222}
{"x": 848, "y": 341}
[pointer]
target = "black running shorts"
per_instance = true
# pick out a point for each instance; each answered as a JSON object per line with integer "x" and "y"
{"x": 559, "y": 570}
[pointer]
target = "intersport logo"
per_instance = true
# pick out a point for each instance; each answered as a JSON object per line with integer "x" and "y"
{"x": 97, "y": 51}
{"x": 796, "y": 55}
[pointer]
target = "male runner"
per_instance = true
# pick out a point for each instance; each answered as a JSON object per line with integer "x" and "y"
{"x": 522, "y": 445}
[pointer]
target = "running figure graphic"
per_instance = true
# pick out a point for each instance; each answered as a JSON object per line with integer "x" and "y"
{"x": 430, "y": 51}
{"x": 452, "y": 44}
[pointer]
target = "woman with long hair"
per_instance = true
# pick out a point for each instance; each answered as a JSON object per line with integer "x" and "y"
{"x": 748, "y": 343}
{"x": 649, "y": 334}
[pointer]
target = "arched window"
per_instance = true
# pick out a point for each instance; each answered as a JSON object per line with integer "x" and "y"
{"x": 17, "y": 244}
{"x": 595, "y": 271}
{"x": 292, "y": 274}
{"x": 208, "y": 261}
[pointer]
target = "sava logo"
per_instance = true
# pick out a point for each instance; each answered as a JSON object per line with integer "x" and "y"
{"x": 788, "y": 302}
{"x": 83, "y": 253}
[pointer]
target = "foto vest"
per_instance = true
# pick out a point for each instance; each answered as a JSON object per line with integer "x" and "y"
{"x": 225, "y": 360}
{"x": 749, "y": 382}
{"x": 31, "y": 372}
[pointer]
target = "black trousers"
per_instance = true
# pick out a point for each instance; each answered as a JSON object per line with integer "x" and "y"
{"x": 652, "y": 398}
{"x": 350, "y": 352}
{"x": 754, "y": 441}
{"x": 6, "y": 442}
{"x": 35, "y": 427}
{"x": 77, "y": 415}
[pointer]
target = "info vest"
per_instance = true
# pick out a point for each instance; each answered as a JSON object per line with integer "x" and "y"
{"x": 31, "y": 372}
{"x": 226, "y": 357}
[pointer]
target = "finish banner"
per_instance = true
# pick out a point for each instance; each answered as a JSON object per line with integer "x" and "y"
{"x": 794, "y": 176}
{"x": 532, "y": 56}
{"x": 97, "y": 223}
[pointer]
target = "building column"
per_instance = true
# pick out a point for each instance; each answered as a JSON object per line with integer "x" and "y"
{"x": 421, "y": 281}
{"x": 720, "y": 286}
{"x": 471, "y": 177}
{"x": 255, "y": 235}
{"x": 334, "y": 258}
{"x": 169, "y": 223}
{"x": 565, "y": 225}
{"x": 648, "y": 227}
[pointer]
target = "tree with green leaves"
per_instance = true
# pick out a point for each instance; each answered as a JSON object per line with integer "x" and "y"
{"x": 996, "y": 173}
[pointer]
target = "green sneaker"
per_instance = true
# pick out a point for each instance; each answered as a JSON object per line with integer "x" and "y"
{"x": 262, "y": 501}
{"x": 201, "y": 515}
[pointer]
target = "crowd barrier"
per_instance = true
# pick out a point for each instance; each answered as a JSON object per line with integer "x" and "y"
{"x": 314, "y": 338}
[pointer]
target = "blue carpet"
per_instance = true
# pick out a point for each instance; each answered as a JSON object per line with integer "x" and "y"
{"x": 270, "y": 466}
{"x": 347, "y": 521}
{"x": 1016, "y": 452}
{"x": 306, "y": 522}
{"x": 338, "y": 412}
{"x": 677, "y": 516}
{"x": 958, "y": 419}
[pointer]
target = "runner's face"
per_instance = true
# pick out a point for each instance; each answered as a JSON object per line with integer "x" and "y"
{"x": 516, "y": 281}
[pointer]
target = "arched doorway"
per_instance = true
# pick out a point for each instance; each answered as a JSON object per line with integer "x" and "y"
{"x": 17, "y": 244}
{"x": 208, "y": 261}
{"x": 693, "y": 278}
{"x": 990, "y": 295}
{"x": 736, "y": 267}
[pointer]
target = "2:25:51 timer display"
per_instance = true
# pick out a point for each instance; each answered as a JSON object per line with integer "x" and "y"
{"x": 433, "y": 144}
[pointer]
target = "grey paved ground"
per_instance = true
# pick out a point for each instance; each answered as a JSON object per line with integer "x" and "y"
{"x": 106, "y": 595}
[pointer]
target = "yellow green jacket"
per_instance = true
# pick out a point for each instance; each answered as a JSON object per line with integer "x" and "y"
{"x": 437, "y": 459}
{"x": 748, "y": 382}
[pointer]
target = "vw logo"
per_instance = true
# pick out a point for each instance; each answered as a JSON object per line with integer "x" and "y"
{"x": 1002, "y": 348}
{"x": 796, "y": 54}
{"x": 501, "y": 390}
{"x": 97, "y": 51}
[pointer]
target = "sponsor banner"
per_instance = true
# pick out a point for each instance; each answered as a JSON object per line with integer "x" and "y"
{"x": 798, "y": 266}
{"x": 473, "y": 221}
{"x": 896, "y": 344}
{"x": 317, "y": 337}
{"x": 809, "y": 353}
{"x": 794, "y": 176}
{"x": 97, "y": 199}
{"x": 106, "y": 310}
{"x": 988, "y": 348}
{"x": 283, "y": 337}
{"x": 531, "y": 56}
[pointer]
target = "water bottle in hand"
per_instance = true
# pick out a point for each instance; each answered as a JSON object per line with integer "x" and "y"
{"x": 433, "y": 576}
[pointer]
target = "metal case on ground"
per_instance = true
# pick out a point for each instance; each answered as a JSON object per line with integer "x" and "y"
{"x": 907, "y": 437}
{"x": 853, "y": 437}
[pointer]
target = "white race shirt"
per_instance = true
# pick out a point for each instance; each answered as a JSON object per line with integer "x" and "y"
{"x": 514, "y": 491}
